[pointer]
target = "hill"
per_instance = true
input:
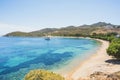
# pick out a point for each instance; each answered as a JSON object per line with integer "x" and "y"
{"x": 83, "y": 30}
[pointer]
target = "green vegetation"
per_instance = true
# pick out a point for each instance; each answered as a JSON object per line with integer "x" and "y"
{"x": 108, "y": 36}
{"x": 42, "y": 75}
{"x": 114, "y": 48}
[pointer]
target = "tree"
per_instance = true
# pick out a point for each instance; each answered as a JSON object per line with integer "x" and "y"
{"x": 114, "y": 50}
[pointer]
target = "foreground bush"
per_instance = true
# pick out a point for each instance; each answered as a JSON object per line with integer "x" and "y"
{"x": 42, "y": 75}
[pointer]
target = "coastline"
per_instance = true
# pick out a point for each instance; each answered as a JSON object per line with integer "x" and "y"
{"x": 88, "y": 66}
{"x": 73, "y": 64}
{"x": 96, "y": 62}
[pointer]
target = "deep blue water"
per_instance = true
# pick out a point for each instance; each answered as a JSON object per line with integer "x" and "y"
{"x": 20, "y": 55}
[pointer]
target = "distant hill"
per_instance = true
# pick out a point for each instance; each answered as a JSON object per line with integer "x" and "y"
{"x": 98, "y": 28}
{"x": 42, "y": 32}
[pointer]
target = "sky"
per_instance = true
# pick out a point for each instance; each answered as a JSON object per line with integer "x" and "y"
{"x": 30, "y": 15}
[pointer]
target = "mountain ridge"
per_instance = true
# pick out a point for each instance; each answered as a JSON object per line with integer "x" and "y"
{"x": 100, "y": 27}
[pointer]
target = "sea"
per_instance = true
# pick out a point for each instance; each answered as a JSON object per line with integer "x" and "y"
{"x": 19, "y": 55}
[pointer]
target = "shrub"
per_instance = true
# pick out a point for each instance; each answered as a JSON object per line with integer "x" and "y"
{"x": 42, "y": 75}
{"x": 114, "y": 50}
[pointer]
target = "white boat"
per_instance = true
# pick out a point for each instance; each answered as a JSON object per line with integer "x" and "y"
{"x": 47, "y": 38}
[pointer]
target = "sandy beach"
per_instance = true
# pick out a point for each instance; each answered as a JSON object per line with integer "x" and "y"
{"x": 97, "y": 62}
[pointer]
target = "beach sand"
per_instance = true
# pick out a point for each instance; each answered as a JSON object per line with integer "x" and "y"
{"x": 98, "y": 62}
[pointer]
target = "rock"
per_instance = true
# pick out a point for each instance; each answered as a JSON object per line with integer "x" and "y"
{"x": 104, "y": 76}
{"x": 114, "y": 76}
{"x": 98, "y": 76}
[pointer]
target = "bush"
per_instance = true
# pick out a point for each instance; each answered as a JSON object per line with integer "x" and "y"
{"x": 42, "y": 75}
{"x": 114, "y": 50}
{"x": 116, "y": 40}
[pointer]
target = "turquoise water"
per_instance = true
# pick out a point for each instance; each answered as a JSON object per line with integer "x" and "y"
{"x": 20, "y": 55}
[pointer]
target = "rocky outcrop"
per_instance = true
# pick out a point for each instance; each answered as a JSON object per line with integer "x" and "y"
{"x": 103, "y": 76}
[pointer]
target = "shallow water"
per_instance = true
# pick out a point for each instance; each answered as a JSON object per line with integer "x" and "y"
{"x": 20, "y": 55}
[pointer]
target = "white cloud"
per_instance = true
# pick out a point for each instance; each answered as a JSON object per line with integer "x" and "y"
{"x": 6, "y": 28}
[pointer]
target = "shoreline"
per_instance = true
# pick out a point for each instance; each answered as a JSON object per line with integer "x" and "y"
{"x": 95, "y": 63}
{"x": 82, "y": 70}
{"x": 91, "y": 65}
{"x": 67, "y": 69}
{"x": 77, "y": 72}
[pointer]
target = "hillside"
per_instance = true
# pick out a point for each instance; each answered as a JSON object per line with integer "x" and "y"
{"x": 83, "y": 30}
{"x": 18, "y": 33}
